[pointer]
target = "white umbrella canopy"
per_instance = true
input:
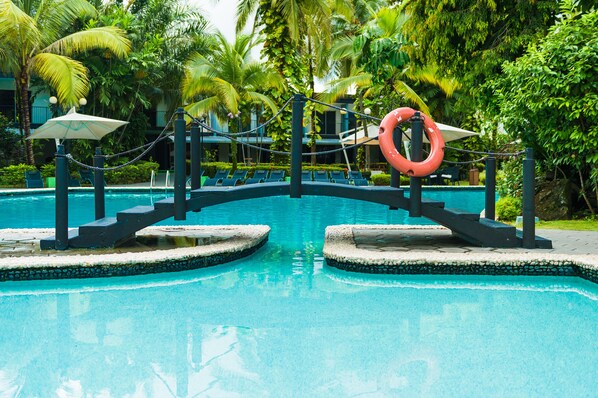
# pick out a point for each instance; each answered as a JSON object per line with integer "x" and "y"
{"x": 449, "y": 133}
{"x": 75, "y": 125}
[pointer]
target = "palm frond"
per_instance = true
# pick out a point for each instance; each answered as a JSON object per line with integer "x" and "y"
{"x": 256, "y": 97}
{"x": 245, "y": 8}
{"x": 54, "y": 17}
{"x": 106, "y": 37}
{"x": 67, "y": 76}
{"x": 409, "y": 94}
{"x": 18, "y": 30}
{"x": 204, "y": 106}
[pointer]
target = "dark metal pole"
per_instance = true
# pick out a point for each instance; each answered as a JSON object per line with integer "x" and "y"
{"x": 296, "y": 145}
{"x": 415, "y": 183}
{"x": 62, "y": 200}
{"x": 180, "y": 157}
{"x": 490, "y": 188}
{"x": 529, "y": 210}
{"x": 195, "y": 157}
{"x": 98, "y": 186}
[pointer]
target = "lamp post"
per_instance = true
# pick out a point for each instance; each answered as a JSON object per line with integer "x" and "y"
{"x": 368, "y": 112}
{"x": 82, "y": 103}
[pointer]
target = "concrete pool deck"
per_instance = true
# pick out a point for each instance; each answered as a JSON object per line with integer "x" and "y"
{"x": 196, "y": 247}
{"x": 398, "y": 249}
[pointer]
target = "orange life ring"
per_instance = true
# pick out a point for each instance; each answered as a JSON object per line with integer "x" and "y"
{"x": 412, "y": 169}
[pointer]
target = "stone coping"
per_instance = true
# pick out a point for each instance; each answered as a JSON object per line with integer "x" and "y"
{"x": 222, "y": 244}
{"x": 341, "y": 251}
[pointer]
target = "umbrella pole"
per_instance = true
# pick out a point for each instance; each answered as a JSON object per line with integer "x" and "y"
{"x": 62, "y": 200}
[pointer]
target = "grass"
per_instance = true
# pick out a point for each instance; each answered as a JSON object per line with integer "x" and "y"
{"x": 586, "y": 224}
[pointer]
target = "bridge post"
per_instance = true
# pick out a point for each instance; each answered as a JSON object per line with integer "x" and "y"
{"x": 296, "y": 145}
{"x": 395, "y": 175}
{"x": 62, "y": 200}
{"x": 415, "y": 183}
{"x": 195, "y": 157}
{"x": 489, "y": 211}
{"x": 180, "y": 171}
{"x": 529, "y": 210}
{"x": 98, "y": 186}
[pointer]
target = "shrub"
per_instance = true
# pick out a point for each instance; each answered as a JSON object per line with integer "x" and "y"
{"x": 14, "y": 175}
{"x": 133, "y": 173}
{"x": 508, "y": 208}
{"x": 381, "y": 179}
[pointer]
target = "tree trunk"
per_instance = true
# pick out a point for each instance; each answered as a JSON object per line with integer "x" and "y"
{"x": 584, "y": 194}
{"x": 364, "y": 125}
{"x": 22, "y": 85}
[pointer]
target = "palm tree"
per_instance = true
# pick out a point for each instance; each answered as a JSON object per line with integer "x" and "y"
{"x": 35, "y": 41}
{"x": 227, "y": 83}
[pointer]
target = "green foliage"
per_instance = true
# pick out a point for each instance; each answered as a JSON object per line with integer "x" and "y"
{"x": 381, "y": 179}
{"x": 508, "y": 208}
{"x": 548, "y": 98}
{"x": 133, "y": 173}
{"x": 509, "y": 179}
{"x": 10, "y": 143}
{"x": 14, "y": 176}
{"x": 48, "y": 170}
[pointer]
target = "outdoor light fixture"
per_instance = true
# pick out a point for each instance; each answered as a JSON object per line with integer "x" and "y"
{"x": 343, "y": 111}
{"x": 367, "y": 111}
{"x": 53, "y": 100}
{"x": 82, "y": 101}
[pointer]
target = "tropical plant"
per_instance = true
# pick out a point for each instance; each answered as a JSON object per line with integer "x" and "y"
{"x": 547, "y": 98}
{"x": 163, "y": 34}
{"x": 228, "y": 83}
{"x": 37, "y": 39}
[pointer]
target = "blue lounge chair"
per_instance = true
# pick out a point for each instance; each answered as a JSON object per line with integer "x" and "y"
{"x": 88, "y": 175}
{"x": 275, "y": 176}
{"x": 338, "y": 177}
{"x": 258, "y": 176}
{"x": 321, "y": 176}
{"x": 33, "y": 179}
{"x": 237, "y": 177}
{"x": 217, "y": 179}
{"x": 306, "y": 175}
{"x": 357, "y": 178}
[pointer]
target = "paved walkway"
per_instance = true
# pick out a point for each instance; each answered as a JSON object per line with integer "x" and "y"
{"x": 441, "y": 240}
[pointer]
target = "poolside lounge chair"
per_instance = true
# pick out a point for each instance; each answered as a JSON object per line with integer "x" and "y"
{"x": 357, "y": 179}
{"x": 338, "y": 177}
{"x": 306, "y": 175}
{"x": 275, "y": 176}
{"x": 237, "y": 177}
{"x": 88, "y": 175}
{"x": 33, "y": 179}
{"x": 444, "y": 176}
{"x": 258, "y": 176}
{"x": 321, "y": 176}
{"x": 217, "y": 179}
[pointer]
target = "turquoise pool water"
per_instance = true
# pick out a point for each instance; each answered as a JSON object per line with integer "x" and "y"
{"x": 282, "y": 324}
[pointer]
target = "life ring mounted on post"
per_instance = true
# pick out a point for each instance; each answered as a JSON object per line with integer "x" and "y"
{"x": 392, "y": 155}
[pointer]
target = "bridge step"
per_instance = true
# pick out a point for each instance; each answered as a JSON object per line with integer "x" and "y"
{"x": 134, "y": 212}
{"x": 432, "y": 202}
{"x": 106, "y": 222}
{"x": 463, "y": 214}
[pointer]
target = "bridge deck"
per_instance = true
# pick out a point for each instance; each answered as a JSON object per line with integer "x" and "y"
{"x": 111, "y": 231}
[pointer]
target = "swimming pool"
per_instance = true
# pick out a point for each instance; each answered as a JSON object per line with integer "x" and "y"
{"x": 282, "y": 324}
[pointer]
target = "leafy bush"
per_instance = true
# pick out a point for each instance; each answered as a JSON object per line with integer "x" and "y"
{"x": 48, "y": 170}
{"x": 14, "y": 176}
{"x": 509, "y": 179}
{"x": 381, "y": 179}
{"x": 384, "y": 179}
{"x": 132, "y": 174}
{"x": 508, "y": 208}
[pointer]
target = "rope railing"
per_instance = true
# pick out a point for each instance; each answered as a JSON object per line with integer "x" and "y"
{"x": 161, "y": 137}
{"x": 340, "y": 108}
{"x": 149, "y": 146}
{"x": 265, "y": 124}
